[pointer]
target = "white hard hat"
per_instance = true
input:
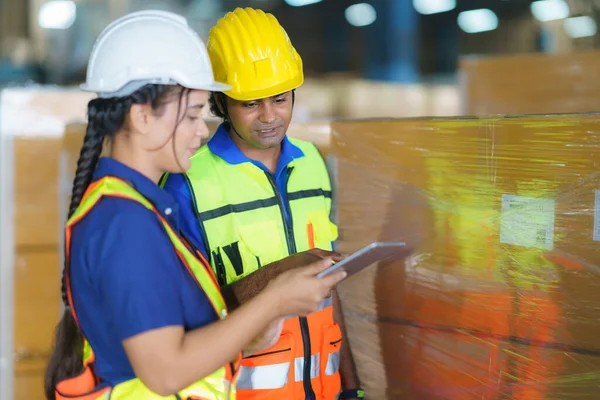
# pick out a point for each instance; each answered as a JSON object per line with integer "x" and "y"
{"x": 145, "y": 47}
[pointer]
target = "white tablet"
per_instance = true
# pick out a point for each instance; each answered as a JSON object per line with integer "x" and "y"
{"x": 375, "y": 252}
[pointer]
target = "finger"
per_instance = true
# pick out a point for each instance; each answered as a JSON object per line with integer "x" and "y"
{"x": 318, "y": 266}
{"x": 333, "y": 279}
{"x": 324, "y": 253}
{"x": 338, "y": 258}
{"x": 313, "y": 254}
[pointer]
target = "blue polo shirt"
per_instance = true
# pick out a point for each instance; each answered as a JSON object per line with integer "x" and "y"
{"x": 223, "y": 146}
{"x": 126, "y": 278}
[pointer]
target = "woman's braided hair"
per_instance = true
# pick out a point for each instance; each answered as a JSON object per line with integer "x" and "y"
{"x": 106, "y": 117}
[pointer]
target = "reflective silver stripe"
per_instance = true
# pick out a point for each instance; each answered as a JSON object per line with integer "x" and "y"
{"x": 315, "y": 367}
{"x": 275, "y": 376}
{"x": 333, "y": 363}
{"x": 272, "y": 376}
{"x": 328, "y": 302}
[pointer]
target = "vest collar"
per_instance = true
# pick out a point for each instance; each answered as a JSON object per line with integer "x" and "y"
{"x": 162, "y": 200}
{"x": 224, "y": 147}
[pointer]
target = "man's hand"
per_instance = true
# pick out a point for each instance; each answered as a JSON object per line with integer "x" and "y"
{"x": 304, "y": 258}
{"x": 243, "y": 290}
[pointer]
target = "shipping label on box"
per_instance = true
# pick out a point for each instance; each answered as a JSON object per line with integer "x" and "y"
{"x": 527, "y": 221}
{"x": 597, "y": 217}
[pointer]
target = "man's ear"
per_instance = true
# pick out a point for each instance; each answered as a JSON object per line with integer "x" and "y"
{"x": 139, "y": 117}
{"x": 219, "y": 98}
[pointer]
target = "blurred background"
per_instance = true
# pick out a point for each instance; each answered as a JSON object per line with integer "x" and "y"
{"x": 374, "y": 60}
{"x": 372, "y": 46}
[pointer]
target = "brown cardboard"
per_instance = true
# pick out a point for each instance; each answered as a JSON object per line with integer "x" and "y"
{"x": 36, "y": 188}
{"x": 35, "y": 118}
{"x": 470, "y": 313}
{"x": 531, "y": 84}
{"x": 29, "y": 380}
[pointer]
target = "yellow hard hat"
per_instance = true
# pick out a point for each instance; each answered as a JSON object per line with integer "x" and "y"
{"x": 251, "y": 52}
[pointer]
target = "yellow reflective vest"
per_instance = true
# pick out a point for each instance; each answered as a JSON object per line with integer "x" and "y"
{"x": 242, "y": 217}
{"x": 217, "y": 386}
{"x": 242, "y": 213}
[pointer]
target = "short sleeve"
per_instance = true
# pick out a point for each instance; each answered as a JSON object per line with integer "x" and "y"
{"x": 178, "y": 187}
{"x": 139, "y": 274}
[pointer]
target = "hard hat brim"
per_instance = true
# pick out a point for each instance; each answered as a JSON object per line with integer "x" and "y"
{"x": 131, "y": 87}
{"x": 265, "y": 92}
{"x": 217, "y": 87}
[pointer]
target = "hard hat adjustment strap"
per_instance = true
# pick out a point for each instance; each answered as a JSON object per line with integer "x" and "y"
{"x": 223, "y": 102}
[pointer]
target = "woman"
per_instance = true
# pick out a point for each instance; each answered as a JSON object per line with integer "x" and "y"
{"x": 154, "y": 322}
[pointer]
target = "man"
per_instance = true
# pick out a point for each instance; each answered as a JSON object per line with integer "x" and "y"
{"x": 253, "y": 197}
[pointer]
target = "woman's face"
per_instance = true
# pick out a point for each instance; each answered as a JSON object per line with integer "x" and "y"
{"x": 181, "y": 128}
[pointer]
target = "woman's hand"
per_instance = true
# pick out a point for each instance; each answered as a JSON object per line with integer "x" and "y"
{"x": 299, "y": 292}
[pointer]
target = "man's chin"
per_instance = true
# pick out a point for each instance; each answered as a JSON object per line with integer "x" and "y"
{"x": 269, "y": 143}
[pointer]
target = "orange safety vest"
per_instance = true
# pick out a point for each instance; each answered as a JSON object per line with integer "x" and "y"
{"x": 87, "y": 386}
{"x": 241, "y": 213}
{"x": 278, "y": 372}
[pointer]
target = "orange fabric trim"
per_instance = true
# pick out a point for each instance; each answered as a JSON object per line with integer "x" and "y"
{"x": 165, "y": 223}
{"x": 310, "y": 231}
{"x": 81, "y": 387}
{"x": 81, "y": 383}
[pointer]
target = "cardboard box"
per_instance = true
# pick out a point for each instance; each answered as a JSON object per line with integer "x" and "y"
{"x": 498, "y": 294}
{"x": 37, "y": 311}
{"x": 34, "y": 118}
{"x": 36, "y": 189}
{"x": 530, "y": 84}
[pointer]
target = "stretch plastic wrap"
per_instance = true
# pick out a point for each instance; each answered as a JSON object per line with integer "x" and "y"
{"x": 499, "y": 294}
{"x": 490, "y": 303}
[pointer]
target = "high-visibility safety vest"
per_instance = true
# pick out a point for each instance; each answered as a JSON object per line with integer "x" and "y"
{"x": 217, "y": 386}
{"x": 244, "y": 224}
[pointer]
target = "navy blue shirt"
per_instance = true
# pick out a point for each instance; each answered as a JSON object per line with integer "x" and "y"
{"x": 125, "y": 275}
{"x": 223, "y": 146}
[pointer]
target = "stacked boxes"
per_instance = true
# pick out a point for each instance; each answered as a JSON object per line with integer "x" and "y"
{"x": 530, "y": 84}
{"x": 35, "y": 119}
{"x": 498, "y": 295}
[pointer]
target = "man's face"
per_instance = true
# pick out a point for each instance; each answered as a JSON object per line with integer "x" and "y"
{"x": 262, "y": 123}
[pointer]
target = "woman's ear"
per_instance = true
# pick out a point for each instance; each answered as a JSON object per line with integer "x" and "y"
{"x": 140, "y": 116}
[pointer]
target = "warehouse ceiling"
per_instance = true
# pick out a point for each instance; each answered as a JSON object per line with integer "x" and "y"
{"x": 321, "y": 31}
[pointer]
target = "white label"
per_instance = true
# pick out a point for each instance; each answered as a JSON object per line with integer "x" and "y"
{"x": 527, "y": 221}
{"x": 597, "y": 217}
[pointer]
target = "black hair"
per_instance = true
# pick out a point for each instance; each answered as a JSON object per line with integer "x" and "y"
{"x": 214, "y": 107}
{"x": 106, "y": 116}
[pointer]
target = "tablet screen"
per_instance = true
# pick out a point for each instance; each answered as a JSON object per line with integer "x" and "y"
{"x": 375, "y": 252}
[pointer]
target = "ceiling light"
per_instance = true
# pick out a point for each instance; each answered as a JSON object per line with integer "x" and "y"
{"x": 57, "y": 14}
{"x": 476, "y": 21}
{"x": 549, "y": 10}
{"x": 427, "y": 7}
{"x": 298, "y": 3}
{"x": 361, "y": 14}
{"x": 579, "y": 27}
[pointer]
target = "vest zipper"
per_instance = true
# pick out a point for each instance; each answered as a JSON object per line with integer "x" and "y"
{"x": 291, "y": 245}
{"x": 289, "y": 231}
